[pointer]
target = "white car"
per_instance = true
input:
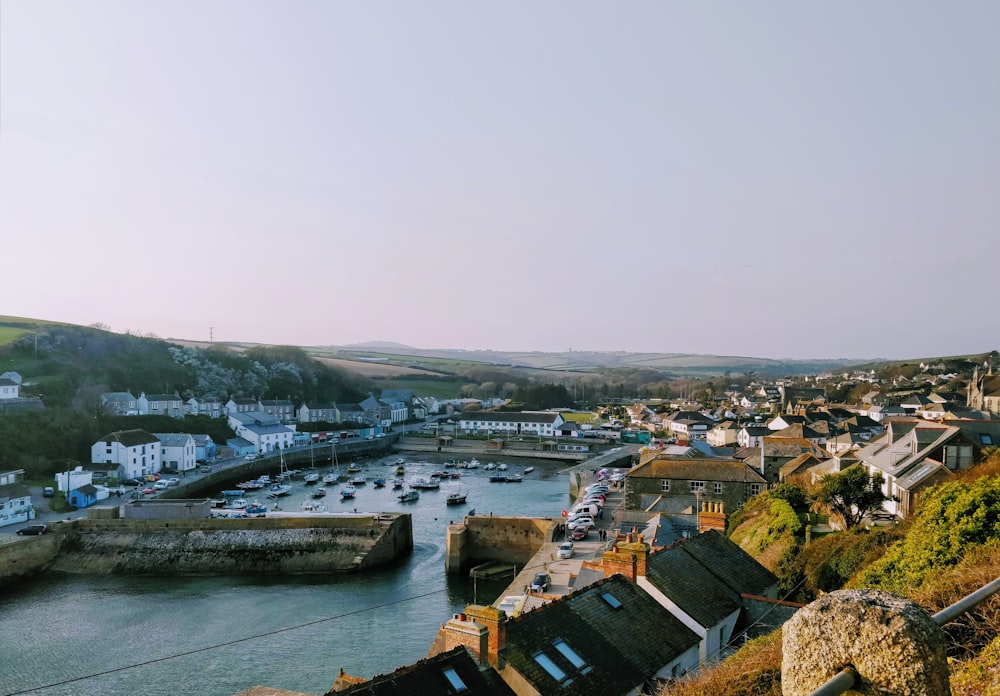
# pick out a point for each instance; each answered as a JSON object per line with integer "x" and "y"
{"x": 160, "y": 485}
{"x": 171, "y": 481}
{"x": 565, "y": 550}
{"x": 249, "y": 457}
{"x": 580, "y": 521}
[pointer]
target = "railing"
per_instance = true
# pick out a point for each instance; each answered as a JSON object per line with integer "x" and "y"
{"x": 848, "y": 677}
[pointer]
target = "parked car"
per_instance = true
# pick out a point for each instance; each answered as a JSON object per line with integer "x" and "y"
{"x": 147, "y": 491}
{"x": 132, "y": 482}
{"x": 32, "y": 530}
{"x": 579, "y": 533}
{"x": 580, "y": 521}
{"x": 171, "y": 481}
{"x": 160, "y": 486}
{"x": 152, "y": 478}
{"x": 250, "y": 457}
{"x": 48, "y": 492}
{"x": 565, "y": 550}
{"x": 541, "y": 582}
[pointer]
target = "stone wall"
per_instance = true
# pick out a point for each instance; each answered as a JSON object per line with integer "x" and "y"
{"x": 24, "y": 557}
{"x": 485, "y": 537}
{"x": 249, "y": 546}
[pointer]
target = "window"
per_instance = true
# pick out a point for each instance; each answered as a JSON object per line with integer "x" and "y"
{"x": 986, "y": 439}
{"x": 552, "y": 668}
{"x": 611, "y": 600}
{"x": 665, "y": 486}
{"x": 570, "y": 654}
{"x": 755, "y": 489}
{"x": 456, "y": 682}
{"x": 718, "y": 488}
{"x": 697, "y": 486}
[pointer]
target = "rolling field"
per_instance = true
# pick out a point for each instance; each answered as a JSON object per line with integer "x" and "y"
{"x": 9, "y": 333}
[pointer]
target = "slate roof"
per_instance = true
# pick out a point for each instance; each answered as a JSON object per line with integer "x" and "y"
{"x": 130, "y": 438}
{"x": 269, "y": 429}
{"x": 508, "y": 417}
{"x": 691, "y": 586}
{"x": 397, "y": 395}
{"x": 87, "y": 490}
{"x": 162, "y": 397}
{"x": 622, "y": 647}
{"x": 697, "y": 469}
{"x": 114, "y": 397}
{"x": 173, "y": 439}
{"x": 731, "y": 564}
{"x": 428, "y": 677}
{"x": 14, "y": 490}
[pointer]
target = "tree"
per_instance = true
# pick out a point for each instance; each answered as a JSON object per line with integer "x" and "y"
{"x": 851, "y": 494}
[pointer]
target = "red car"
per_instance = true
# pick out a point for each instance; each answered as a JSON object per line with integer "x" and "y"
{"x": 579, "y": 534}
{"x": 147, "y": 491}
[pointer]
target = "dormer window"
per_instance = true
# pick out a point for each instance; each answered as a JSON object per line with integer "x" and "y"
{"x": 552, "y": 668}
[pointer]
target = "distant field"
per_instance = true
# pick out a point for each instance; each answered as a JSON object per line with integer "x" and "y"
{"x": 9, "y": 333}
{"x": 578, "y": 417}
{"x": 371, "y": 369}
{"x": 444, "y": 388}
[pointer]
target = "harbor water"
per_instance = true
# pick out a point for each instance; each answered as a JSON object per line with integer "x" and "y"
{"x": 67, "y": 634}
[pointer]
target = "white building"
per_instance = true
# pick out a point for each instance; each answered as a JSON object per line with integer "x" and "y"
{"x": 15, "y": 499}
{"x": 530, "y": 423}
{"x": 134, "y": 453}
{"x": 262, "y": 430}
{"x": 179, "y": 451}
{"x": 10, "y": 385}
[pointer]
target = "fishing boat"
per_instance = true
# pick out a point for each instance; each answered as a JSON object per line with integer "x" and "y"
{"x": 425, "y": 484}
{"x": 237, "y": 504}
{"x": 348, "y": 492}
{"x": 357, "y": 480}
{"x": 311, "y": 478}
{"x": 232, "y": 493}
{"x": 400, "y": 470}
{"x": 311, "y": 506}
{"x": 472, "y": 464}
{"x": 456, "y": 498}
{"x": 255, "y": 508}
{"x": 379, "y": 483}
{"x": 410, "y": 496}
{"x": 278, "y": 490}
{"x": 253, "y": 485}
{"x": 218, "y": 502}
{"x": 353, "y": 468}
{"x": 319, "y": 493}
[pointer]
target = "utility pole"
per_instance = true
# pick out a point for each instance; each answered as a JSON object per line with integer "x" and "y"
{"x": 211, "y": 335}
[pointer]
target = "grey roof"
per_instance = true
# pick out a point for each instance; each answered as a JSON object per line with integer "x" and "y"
{"x": 691, "y": 586}
{"x": 130, "y": 438}
{"x": 202, "y": 439}
{"x": 267, "y": 429}
{"x": 239, "y": 442}
{"x": 162, "y": 397}
{"x": 697, "y": 469}
{"x": 173, "y": 439}
{"x": 731, "y": 564}
{"x": 614, "y": 642}
{"x": 510, "y": 417}
{"x": 427, "y": 677}
{"x": 118, "y": 396}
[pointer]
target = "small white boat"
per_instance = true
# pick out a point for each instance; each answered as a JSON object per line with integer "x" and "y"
{"x": 502, "y": 467}
{"x": 238, "y": 504}
{"x": 410, "y": 496}
{"x": 490, "y": 466}
{"x": 311, "y": 506}
{"x": 472, "y": 464}
{"x": 357, "y": 481}
{"x": 456, "y": 498}
{"x": 400, "y": 461}
{"x": 397, "y": 483}
{"x": 353, "y": 469}
{"x": 348, "y": 491}
{"x": 330, "y": 478}
{"x": 426, "y": 484}
{"x": 311, "y": 478}
{"x": 529, "y": 469}
{"x": 255, "y": 508}
{"x": 278, "y": 490}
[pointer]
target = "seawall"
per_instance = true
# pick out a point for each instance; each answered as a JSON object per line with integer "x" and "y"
{"x": 511, "y": 540}
{"x": 290, "y": 545}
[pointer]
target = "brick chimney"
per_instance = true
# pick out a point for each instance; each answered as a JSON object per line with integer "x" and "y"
{"x": 712, "y": 516}
{"x": 627, "y": 558}
{"x": 461, "y": 629}
{"x": 494, "y": 620}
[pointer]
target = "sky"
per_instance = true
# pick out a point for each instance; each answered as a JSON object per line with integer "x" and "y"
{"x": 770, "y": 179}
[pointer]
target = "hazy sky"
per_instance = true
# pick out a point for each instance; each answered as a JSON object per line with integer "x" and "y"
{"x": 784, "y": 179}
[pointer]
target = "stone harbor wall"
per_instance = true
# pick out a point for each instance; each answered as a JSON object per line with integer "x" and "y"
{"x": 251, "y": 546}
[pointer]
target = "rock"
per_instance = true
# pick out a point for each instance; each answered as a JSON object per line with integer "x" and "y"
{"x": 894, "y": 646}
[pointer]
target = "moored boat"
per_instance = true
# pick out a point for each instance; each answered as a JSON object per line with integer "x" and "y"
{"x": 397, "y": 483}
{"x": 278, "y": 490}
{"x": 425, "y": 484}
{"x": 319, "y": 493}
{"x": 330, "y": 478}
{"x": 410, "y": 496}
{"x": 529, "y": 469}
{"x": 354, "y": 468}
{"x": 311, "y": 478}
{"x": 348, "y": 492}
{"x": 379, "y": 483}
{"x": 357, "y": 481}
{"x": 456, "y": 498}
{"x": 255, "y": 508}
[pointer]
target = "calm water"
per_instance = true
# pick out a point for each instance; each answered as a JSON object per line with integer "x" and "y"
{"x": 60, "y": 628}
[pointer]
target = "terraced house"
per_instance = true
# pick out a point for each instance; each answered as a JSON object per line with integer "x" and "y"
{"x": 531, "y": 423}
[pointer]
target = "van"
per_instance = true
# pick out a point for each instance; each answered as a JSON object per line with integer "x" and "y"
{"x": 585, "y": 508}
{"x": 48, "y": 492}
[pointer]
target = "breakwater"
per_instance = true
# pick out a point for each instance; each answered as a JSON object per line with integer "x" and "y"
{"x": 512, "y": 540}
{"x": 288, "y": 545}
